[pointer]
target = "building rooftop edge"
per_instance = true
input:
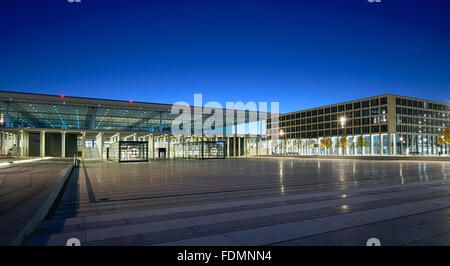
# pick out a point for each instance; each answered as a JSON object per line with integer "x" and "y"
{"x": 375, "y": 96}
{"x": 94, "y": 101}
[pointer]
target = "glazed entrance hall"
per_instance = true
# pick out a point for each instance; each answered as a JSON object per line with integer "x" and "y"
{"x": 35, "y": 125}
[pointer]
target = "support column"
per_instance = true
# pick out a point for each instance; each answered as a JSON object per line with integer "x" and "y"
{"x": 100, "y": 144}
{"x": 257, "y": 145}
{"x": 354, "y": 144}
{"x": 16, "y": 143}
{"x": 168, "y": 147}
{"x": 291, "y": 145}
{"x": 239, "y": 147}
{"x": 417, "y": 142}
{"x": 421, "y": 144}
{"x": 245, "y": 146}
{"x": 22, "y": 143}
{"x": 42, "y": 135}
{"x": 407, "y": 144}
{"x": 63, "y": 144}
{"x": 228, "y": 147}
{"x": 381, "y": 144}
{"x": 234, "y": 146}
{"x": 83, "y": 143}
{"x": 27, "y": 144}
{"x": 389, "y": 143}
{"x": 395, "y": 145}
{"x": 153, "y": 146}
{"x": 279, "y": 146}
{"x": 1, "y": 143}
{"x": 182, "y": 145}
{"x": 150, "y": 148}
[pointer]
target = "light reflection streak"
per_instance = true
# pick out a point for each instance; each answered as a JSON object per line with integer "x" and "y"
{"x": 425, "y": 172}
{"x": 444, "y": 174}
{"x": 401, "y": 173}
{"x": 419, "y": 166}
{"x": 281, "y": 178}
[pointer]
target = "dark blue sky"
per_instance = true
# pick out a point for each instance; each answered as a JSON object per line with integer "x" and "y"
{"x": 300, "y": 53}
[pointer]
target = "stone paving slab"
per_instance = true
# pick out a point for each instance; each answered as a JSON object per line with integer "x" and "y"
{"x": 384, "y": 194}
{"x": 386, "y": 213}
{"x": 254, "y": 212}
{"x": 283, "y": 232}
{"x": 410, "y": 230}
{"x": 252, "y": 201}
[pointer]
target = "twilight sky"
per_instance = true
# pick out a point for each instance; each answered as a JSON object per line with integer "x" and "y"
{"x": 301, "y": 53}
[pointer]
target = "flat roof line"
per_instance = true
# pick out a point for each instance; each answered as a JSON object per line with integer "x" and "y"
{"x": 360, "y": 99}
{"x": 95, "y": 101}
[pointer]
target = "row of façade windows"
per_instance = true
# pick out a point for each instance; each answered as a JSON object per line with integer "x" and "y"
{"x": 420, "y": 121}
{"x": 333, "y": 117}
{"x": 421, "y": 113}
{"x": 418, "y": 129}
{"x": 374, "y": 129}
{"x": 374, "y": 120}
{"x": 336, "y": 109}
{"x": 420, "y": 104}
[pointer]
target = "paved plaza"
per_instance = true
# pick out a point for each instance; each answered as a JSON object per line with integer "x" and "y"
{"x": 252, "y": 201}
{"x": 23, "y": 190}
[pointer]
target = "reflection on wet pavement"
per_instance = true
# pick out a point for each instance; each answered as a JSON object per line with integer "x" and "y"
{"x": 234, "y": 200}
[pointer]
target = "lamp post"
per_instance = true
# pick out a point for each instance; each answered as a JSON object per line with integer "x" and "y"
{"x": 342, "y": 121}
{"x": 281, "y": 134}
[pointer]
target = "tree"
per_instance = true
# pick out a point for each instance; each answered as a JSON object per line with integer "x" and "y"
{"x": 311, "y": 144}
{"x": 444, "y": 137}
{"x": 343, "y": 142}
{"x": 440, "y": 140}
{"x": 326, "y": 143}
{"x": 362, "y": 143}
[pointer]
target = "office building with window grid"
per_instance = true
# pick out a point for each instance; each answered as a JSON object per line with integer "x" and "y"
{"x": 390, "y": 125}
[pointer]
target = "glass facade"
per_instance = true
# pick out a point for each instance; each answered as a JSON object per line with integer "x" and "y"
{"x": 98, "y": 126}
{"x": 202, "y": 150}
{"x": 390, "y": 125}
{"x": 30, "y": 111}
{"x": 128, "y": 151}
{"x": 63, "y": 115}
{"x": 366, "y": 116}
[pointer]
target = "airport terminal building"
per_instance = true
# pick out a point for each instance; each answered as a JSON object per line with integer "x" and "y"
{"x": 36, "y": 125}
{"x": 390, "y": 125}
